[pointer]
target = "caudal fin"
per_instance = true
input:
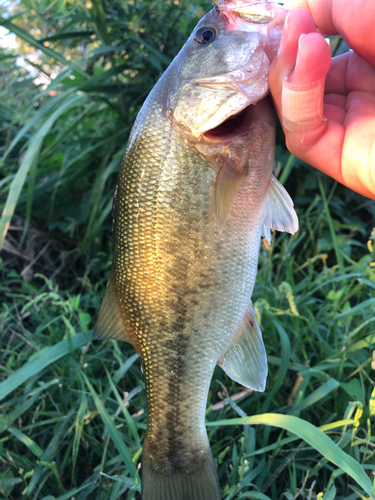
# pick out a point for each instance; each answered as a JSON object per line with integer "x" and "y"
{"x": 202, "y": 484}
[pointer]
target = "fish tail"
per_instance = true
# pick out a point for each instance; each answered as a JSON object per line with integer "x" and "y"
{"x": 201, "y": 484}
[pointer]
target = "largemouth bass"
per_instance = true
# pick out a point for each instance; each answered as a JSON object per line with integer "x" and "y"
{"x": 195, "y": 194}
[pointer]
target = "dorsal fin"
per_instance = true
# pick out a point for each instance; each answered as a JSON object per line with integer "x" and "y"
{"x": 110, "y": 324}
{"x": 277, "y": 211}
{"x": 246, "y": 359}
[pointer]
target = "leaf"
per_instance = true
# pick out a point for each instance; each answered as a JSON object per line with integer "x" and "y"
{"x": 338, "y": 252}
{"x": 119, "y": 374}
{"x": 354, "y": 389}
{"x": 79, "y": 427}
{"x": 35, "y": 43}
{"x": 30, "y": 399}
{"x": 31, "y": 154}
{"x": 33, "y": 447}
{"x": 129, "y": 420}
{"x": 40, "y": 361}
{"x": 254, "y": 494}
{"x": 316, "y": 396}
{"x": 311, "y": 435}
{"x": 7, "y": 481}
{"x": 74, "y": 492}
{"x": 112, "y": 430}
{"x": 52, "y": 449}
{"x": 357, "y": 308}
{"x": 285, "y": 356}
{"x": 372, "y": 403}
{"x": 330, "y": 494}
{"x": 32, "y": 122}
{"x": 69, "y": 34}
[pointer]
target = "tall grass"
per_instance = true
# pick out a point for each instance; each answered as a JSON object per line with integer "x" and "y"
{"x": 72, "y": 411}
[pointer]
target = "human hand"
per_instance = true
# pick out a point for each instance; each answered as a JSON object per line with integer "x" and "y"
{"x": 327, "y": 107}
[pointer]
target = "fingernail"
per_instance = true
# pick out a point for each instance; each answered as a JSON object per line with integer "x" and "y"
{"x": 285, "y": 34}
{"x": 299, "y": 53}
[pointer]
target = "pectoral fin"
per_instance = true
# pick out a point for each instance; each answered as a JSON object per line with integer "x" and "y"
{"x": 277, "y": 211}
{"x": 228, "y": 183}
{"x": 266, "y": 232}
{"x": 246, "y": 359}
{"x": 110, "y": 324}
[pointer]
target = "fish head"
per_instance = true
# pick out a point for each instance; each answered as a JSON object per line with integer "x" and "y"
{"x": 223, "y": 68}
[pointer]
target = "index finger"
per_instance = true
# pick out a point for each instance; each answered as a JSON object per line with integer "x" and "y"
{"x": 352, "y": 20}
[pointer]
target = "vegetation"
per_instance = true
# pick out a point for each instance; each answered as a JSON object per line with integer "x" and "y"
{"x": 72, "y": 411}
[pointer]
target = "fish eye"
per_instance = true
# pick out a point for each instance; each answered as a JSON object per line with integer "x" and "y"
{"x": 206, "y": 34}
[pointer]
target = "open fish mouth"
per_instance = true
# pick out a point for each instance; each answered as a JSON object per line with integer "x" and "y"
{"x": 234, "y": 126}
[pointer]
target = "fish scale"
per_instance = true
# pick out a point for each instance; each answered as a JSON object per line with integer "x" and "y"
{"x": 189, "y": 212}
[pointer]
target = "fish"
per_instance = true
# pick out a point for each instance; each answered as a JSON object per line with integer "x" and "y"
{"x": 195, "y": 194}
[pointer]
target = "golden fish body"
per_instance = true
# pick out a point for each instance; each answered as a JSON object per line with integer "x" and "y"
{"x": 194, "y": 196}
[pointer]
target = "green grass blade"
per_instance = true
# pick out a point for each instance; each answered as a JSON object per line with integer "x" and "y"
{"x": 367, "y": 342}
{"x": 130, "y": 421}
{"x": 330, "y": 494}
{"x": 33, "y": 122}
{"x": 311, "y": 435}
{"x": 11, "y": 481}
{"x": 285, "y": 356}
{"x": 31, "y": 154}
{"x": 112, "y": 430}
{"x": 124, "y": 368}
{"x": 24, "y": 35}
{"x": 357, "y": 308}
{"x": 339, "y": 258}
{"x": 254, "y": 494}
{"x": 49, "y": 454}
{"x": 316, "y": 396}
{"x": 41, "y": 360}
{"x": 30, "y": 399}
{"x": 68, "y": 34}
{"x": 287, "y": 170}
{"x": 79, "y": 427}
{"x": 33, "y": 447}
{"x": 72, "y": 493}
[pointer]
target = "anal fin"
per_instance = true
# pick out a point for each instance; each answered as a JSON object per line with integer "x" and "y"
{"x": 110, "y": 324}
{"x": 246, "y": 359}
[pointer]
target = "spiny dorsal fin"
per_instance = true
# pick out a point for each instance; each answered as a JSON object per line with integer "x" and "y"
{"x": 228, "y": 183}
{"x": 246, "y": 359}
{"x": 277, "y": 211}
{"x": 110, "y": 324}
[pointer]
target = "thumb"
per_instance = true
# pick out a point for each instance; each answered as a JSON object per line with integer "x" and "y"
{"x": 297, "y": 75}
{"x": 302, "y": 91}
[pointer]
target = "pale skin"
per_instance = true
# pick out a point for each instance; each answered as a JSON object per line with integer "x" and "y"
{"x": 341, "y": 143}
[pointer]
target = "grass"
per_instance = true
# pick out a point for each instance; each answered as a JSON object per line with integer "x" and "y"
{"x": 72, "y": 411}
